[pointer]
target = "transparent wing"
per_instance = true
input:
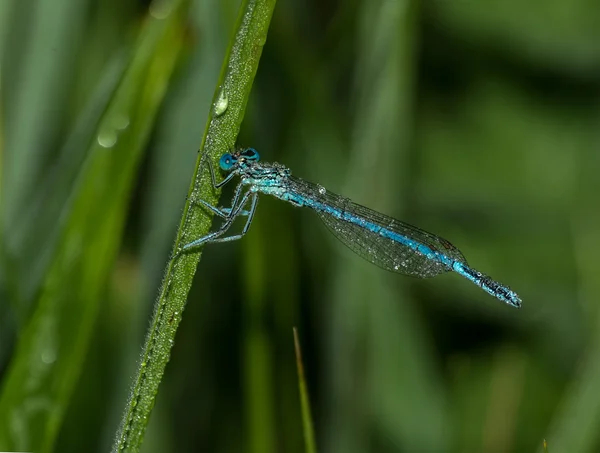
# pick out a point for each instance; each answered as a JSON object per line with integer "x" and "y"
{"x": 371, "y": 245}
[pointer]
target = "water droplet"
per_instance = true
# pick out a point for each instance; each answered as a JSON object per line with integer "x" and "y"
{"x": 221, "y": 103}
{"x": 143, "y": 364}
{"x": 107, "y": 138}
{"x": 49, "y": 356}
{"x": 321, "y": 189}
{"x": 160, "y": 9}
{"x": 120, "y": 121}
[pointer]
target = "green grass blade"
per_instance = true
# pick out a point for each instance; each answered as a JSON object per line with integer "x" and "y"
{"x": 29, "y": 250}
{"x": 30, "y": 30}
{"x": 576, "y": 420}
{"x": 229, "y": 103}
{"x": 52, "y": 346}
{"x": 307, "y": 423}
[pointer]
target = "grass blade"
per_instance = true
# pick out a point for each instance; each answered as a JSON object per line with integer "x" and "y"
{"x": 307, "y": 424}
{"x": 47, "y": 362}
{"x": 229, "y": 103}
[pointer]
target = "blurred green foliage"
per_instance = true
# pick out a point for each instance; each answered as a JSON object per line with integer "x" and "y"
{"x": 476, "y": 121}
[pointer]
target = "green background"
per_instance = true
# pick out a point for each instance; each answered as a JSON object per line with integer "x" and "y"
{"x": 478, "y": 121}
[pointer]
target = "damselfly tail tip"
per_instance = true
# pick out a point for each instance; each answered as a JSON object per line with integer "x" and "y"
{"x": 513, "y": 299}
{"x": 490, "y": 286}
{"x": 501, "y": 292}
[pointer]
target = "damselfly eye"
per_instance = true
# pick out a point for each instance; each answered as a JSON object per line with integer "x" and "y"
{"x": 226, "y": 161}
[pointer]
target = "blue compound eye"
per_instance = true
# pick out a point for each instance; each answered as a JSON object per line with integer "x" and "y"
{"x": 250, "y": 154}
{"x": 227, "y": 161}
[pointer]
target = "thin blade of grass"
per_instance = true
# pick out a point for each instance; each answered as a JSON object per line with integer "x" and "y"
{"x": 225, "y": 118}
{"x": 31, "y": 252}
{"x": 38, "y": 38}
{"x": 52, "y": 346}
{"x": 575, "y": 424}
{"x": 307, "y": 423}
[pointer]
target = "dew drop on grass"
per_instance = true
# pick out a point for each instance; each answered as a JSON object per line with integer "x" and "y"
{"x": 221, "y": 103}
{"x": 120, "y": 121}
{"x": 107, "y": 138}
{"x": 160, "y": 9}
